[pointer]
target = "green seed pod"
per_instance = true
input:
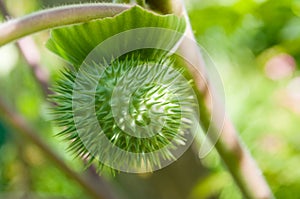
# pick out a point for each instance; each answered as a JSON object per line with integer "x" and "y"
{"x": 141, "y": 107}
{"x": 135, "y": 113}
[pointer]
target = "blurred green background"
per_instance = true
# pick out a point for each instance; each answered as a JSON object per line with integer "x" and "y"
{"x": 255, "y": 45}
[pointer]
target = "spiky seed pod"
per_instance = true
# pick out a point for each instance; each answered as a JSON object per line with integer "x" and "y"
{"x": 134, "y": 113}
{"x": 144, "y": 108}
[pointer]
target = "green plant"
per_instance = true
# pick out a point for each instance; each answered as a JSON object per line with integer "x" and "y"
{"x": 236, "y": 157}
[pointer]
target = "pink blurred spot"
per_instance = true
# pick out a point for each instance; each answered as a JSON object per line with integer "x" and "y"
{"x": 280, "y": 66}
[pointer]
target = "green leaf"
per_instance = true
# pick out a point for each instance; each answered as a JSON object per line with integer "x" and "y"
{"x": 74, "y": 43}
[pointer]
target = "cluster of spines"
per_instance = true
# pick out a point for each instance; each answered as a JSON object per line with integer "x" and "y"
{"x": 171, "y": 132}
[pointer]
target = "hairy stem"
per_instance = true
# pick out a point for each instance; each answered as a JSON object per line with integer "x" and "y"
{"x": 55, "y": 17}
{"x": 238, "y": 160}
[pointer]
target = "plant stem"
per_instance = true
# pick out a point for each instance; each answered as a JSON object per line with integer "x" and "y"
{"x": 163, "y": 6}
{"x": 18, "y": 123}
{"x": 238, "y": 160}
{"x": 31, "y": 55}
{"x": 141, "y": 3}
{"x": 55, "y": 17}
